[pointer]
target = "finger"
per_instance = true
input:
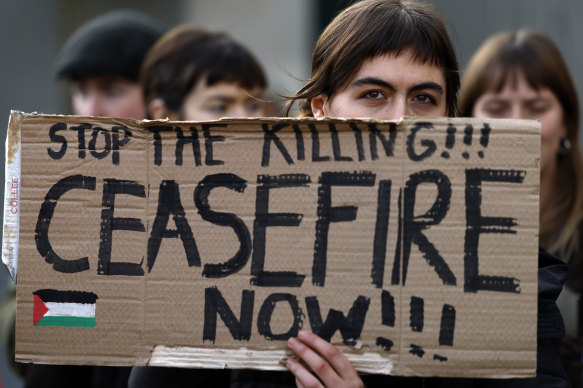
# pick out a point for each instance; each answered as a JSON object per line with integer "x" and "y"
{"x": 304, "y": 378}
{"x": 329, "y": 352}
{"x": 315, "y": 362}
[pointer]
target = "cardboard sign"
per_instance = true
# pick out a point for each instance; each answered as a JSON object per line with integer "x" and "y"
{"x": 410, "y": 245}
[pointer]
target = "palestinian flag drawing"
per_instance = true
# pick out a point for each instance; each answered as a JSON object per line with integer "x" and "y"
{"x": 64, "y": 308}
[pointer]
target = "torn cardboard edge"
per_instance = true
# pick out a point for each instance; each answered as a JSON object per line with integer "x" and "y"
{"x": 185, "y": 357}
{"x": 11, "y": 228}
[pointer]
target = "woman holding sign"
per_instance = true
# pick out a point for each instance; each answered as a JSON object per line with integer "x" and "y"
{"x": 362, "y": 68}
{"x": 387, "y": 59}
{"x": 522, "y": 75}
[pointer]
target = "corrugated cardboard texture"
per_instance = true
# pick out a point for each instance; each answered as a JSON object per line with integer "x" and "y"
{"x": 209, "y": 244}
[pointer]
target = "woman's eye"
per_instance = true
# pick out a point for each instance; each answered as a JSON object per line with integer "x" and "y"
{"x": 538, "y": 109}
{"x": 425, "y": 99}
{"x": 220, "y": 108}
{"x": 373, "y": 95}
{"x": 253, "y": 106}
{"x": 496, "y": 110}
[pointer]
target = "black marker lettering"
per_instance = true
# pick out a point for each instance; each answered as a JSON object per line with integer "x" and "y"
{"x": 182, "y": 140}
{"x": 169, "y": 203}
{"x": 328, "y": 214}
{"x": 43, "y": 223}
{"x": 336, "y": 151}
{"x": 380, "y": 233}
{"x": 263, "y": 219}
{"x": 359, "y": 143}
{"x": 299, "y": 142}
{"x": 387, "y": 309}
{"x": 268, "y": 137}
{"x": 58, "y": 139}
{"x": 413, "y": 226}
{"x": 266, "y": 312}
{"x": 316, "y": 145}
{"x": 208, "y": 143}
{"x": 396, "y": 275}
{"x": 350, "y": 326}
{"x": 416, "y": 313}
{"x": 476, "y": 225}
{"x": 387, "y": 317}
{"x": 417, "y": 350}
{"x": 449, "y": 141}
{"x": 201, "y": 194}
{"x": 93, "y": 143}
{"x": 429, "y": 145}
{"x": 384, "y": 343}
{"x": 116, "y": 143}
{"x": 447, "y": 326}
{"x": 214, "y": 304}
{"x": 388, "y": 144}
{"x": 81, "y": 138}
{"x": 109, "y": 223}
{"x": 158, "y": 142}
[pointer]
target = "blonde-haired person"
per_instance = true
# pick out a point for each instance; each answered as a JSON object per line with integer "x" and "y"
{"x": 522, "y": 75}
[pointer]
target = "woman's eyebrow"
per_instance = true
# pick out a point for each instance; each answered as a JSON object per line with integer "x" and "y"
{"x": 220, "y": 98}
{"x": 373, "y": 81}
{"x": 427, "y": 85}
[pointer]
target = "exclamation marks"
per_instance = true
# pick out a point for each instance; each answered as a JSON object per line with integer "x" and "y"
{"x": 484, "y": 139}
{"x": 388, "y": 318}
{"x": 446, "y": 330}
{"x": 416, "y": 322}
{"x": 467, "y": 139}
{"x": 416, "y": 316}
{"x": 449, "y": 141}
{"x": 468, "y": 132}
{"x": 447, "y": 325}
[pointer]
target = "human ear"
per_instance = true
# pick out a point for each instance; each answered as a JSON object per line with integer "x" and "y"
{"x": 157, "y": 110}
{"x": 318, "y": 105}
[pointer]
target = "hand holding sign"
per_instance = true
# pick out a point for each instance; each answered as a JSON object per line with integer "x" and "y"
{"x": 325, "y": 361}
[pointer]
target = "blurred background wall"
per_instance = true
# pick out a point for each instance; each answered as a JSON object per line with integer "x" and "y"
{"x": 280, "y": 32}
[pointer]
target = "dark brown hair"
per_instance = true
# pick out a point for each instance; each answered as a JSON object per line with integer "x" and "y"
{"x": 499, "y": 60}
{"x": 376, "y": 27}
{"x": 185, "y": 54}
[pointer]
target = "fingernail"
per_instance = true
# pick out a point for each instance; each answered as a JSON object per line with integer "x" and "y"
{"x": 302, "y": 334}
{"x": 292, "y": 341}
{"x": 291, "y": 362}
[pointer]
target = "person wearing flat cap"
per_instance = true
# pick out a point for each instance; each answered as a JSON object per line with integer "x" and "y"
{"x": 102, "y": 59}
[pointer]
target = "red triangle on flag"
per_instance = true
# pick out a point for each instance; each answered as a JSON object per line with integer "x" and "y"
{"x": 39, "y": 310}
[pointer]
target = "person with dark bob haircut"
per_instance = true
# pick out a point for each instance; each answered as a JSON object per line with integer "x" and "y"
{"x": 368, "y": 30}
{"x": 384, "y": 59}
{"x": 193, "y": 74}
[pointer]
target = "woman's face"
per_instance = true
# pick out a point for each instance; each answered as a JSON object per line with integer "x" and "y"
{"x": 388, "y": 88}
{"x": 221, "y": 100}
{"x": 518, "y": 100}
{"x": 205, "y": 102}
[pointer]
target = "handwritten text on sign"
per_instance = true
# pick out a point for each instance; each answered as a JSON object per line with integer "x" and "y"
{"x": 405, "y": 240}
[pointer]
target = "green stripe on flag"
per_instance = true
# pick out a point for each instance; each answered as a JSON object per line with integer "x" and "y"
{"x": 67, "y": 321}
